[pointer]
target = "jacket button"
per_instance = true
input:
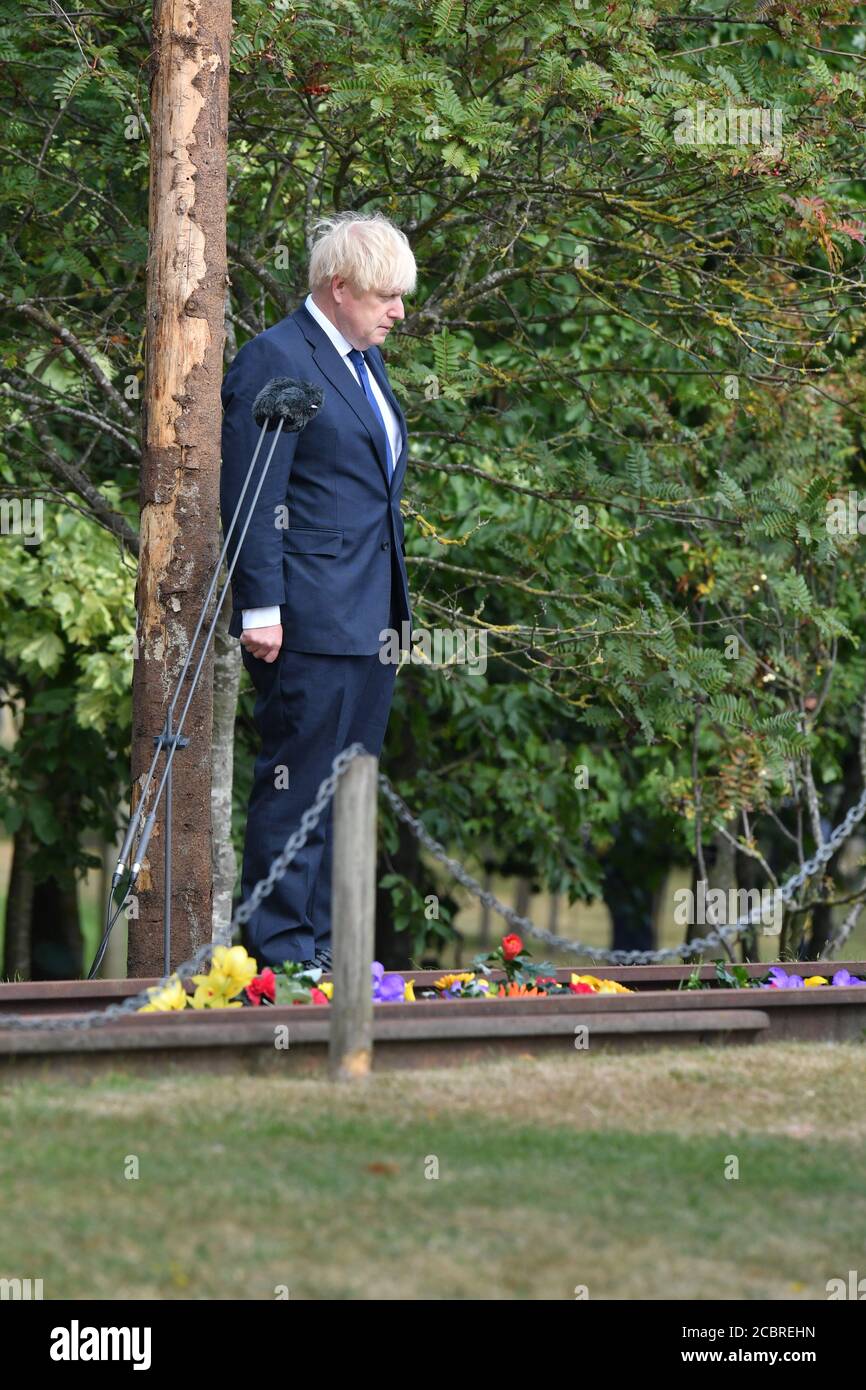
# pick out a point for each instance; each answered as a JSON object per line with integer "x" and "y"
{"x": 386, "y": 545}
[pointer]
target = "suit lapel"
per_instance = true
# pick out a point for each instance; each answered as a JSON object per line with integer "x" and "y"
{"x": 377, "y": 365}
{"x": 331, "y": 364}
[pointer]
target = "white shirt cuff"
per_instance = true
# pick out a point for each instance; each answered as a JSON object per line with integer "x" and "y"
{"x": 261, "y": 617}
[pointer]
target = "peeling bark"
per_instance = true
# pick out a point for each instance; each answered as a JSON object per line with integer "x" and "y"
{"x": 179, "y": 496}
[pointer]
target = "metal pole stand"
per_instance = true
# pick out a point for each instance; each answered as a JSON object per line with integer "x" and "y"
{"x": 166, "y": 740}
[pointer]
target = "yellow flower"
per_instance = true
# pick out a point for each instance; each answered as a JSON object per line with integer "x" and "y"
{"x": 234, "y": 963}
{"x": 170, "y": 996}
{"x": 601, "y": 986}
{"x": 214, "y": 991}
{"x": 206, "y": 997}
{"x": 409, "y": 992}
{"x": 447, "y": 980}
{"x": 204, "y": 993}
{"x": 327, "y": 988}
{"x": 815, "y": 980}
{"x": 230, "y": 972}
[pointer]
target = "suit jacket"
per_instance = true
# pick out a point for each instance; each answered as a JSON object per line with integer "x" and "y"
{"x": 330, "y": 561}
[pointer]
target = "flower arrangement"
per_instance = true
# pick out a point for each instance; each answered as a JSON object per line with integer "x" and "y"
{"x": 738, "y": 977}
{"x": 234, "y": 980}
{"x": 231, "y": 972}
{"x": 523, "y": 978}
{"x": 780, "y": 979}
{"x": 583, "y": 984}
{"x": 295, "y": 985}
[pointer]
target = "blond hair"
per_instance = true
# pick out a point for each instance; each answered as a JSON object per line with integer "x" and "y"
{"x": 364, "y": 248}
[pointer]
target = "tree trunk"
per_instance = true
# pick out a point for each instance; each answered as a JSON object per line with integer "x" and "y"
{"x": 486, "y": 912}
{"x": 749, "y": 875}
{"x": 186, "y": 282}
{"x": 822, "y": 916}
{"x": 19, "y": 909}
{"x": 553, "y": 914}
{"x": 522, "y": 896}
{"x": 722, "y": 874}
{"x": 631, "y": 873}
{"x": 56, "y": 941}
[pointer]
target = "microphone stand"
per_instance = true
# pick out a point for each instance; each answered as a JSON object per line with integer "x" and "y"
{"x": 171, "y": 739}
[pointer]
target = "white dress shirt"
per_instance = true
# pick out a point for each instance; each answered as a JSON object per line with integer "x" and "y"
{"x": 270, "y": 617}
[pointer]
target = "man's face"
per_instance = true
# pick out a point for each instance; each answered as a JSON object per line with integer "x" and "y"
{"x": 365, "y": 318}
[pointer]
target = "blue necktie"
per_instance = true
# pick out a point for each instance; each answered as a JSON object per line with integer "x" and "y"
{"x": 356, "y": 357}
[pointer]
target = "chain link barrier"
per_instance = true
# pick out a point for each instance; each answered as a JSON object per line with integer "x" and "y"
{"x": 723, "y": 935}
{"x": 296, "y": 841}
{"x": 310, "y": 820}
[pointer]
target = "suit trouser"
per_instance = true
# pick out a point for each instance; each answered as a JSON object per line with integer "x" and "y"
{"x": 309, "y": 707}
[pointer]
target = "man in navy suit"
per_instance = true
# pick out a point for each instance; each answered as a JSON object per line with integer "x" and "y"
{"x": 321, "y": 575}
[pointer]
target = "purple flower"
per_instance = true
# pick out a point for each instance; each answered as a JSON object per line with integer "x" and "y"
{"x": 780, "y": 979}
{"x": 387, "y": 989}
{"x": 842, "y": 977}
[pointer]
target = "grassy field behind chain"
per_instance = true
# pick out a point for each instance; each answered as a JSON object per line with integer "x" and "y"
{"x": 581, "y": 1170}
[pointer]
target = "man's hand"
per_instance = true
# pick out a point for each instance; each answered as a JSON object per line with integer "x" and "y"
{"x": 263, "y": 642}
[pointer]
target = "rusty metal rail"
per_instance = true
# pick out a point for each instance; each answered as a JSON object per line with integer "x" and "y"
{"x": 74, "y": 996}
{"x": 295, "y": 1041}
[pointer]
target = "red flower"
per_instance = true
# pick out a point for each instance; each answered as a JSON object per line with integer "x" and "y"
{"x": 511, "y": 946}
{"x": 581, "y": 989}
{"x": 264, "y": 986}
{"x": 319, "y": 997}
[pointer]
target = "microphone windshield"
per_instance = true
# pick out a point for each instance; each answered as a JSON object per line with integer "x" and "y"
{"x": 284, "y": 398}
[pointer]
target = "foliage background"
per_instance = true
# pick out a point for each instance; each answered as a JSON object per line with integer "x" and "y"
{"x": 633, "y": 376}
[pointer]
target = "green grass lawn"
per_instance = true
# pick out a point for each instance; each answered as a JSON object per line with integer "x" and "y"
{"x": 593, "y": 1170}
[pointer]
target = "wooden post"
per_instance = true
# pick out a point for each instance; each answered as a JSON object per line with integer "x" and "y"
{"x": 353, "y": 914}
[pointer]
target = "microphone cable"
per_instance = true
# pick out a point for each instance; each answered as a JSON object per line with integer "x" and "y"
{"x": 109, "y": 925}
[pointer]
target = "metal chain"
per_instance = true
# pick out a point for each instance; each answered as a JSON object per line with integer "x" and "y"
{"x": 310, "y": 820}
{"x": 295, "y": 842}
{"x": 838, "y": 939}
{"x": 566, "y": 944}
